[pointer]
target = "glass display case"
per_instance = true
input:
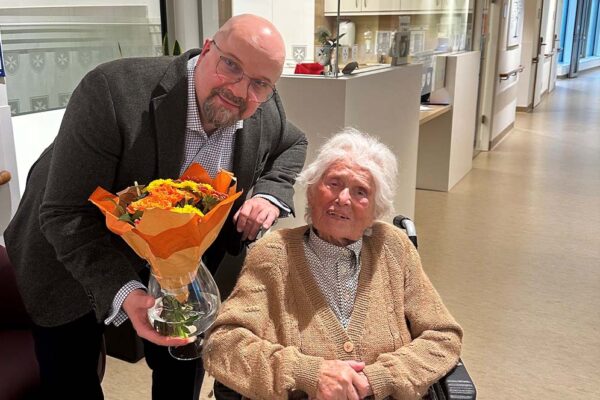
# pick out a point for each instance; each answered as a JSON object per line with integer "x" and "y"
{"x": 371, "y": 33}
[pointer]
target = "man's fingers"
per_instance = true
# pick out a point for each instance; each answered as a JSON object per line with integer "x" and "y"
{"x": 257, "y": 223}
{"x": 271, "y": 217}
{"x": 154, "y": 337}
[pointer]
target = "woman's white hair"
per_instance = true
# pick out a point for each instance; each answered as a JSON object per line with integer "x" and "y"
{"x": 366, "y": 152}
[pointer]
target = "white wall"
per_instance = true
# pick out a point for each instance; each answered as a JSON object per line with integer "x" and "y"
{"x": 186, "y": 26}
{"x": 210, "y": 18}
{"x": 384, "y": 103}
{"x": 152, "y": 6}
{"x": 33, "y": 133}
{"x": 9, "y": 193}
{"x": 294, "y": 19}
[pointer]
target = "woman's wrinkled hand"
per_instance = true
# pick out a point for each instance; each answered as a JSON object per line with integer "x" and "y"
{"x": 363, "y": 388}
{"x": 338, "y": 380}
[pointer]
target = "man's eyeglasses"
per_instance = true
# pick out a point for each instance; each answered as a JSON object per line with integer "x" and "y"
{"x": 259, "y": 90}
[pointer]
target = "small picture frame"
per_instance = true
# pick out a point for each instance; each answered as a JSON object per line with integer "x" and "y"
{"x": 515, "y": 23}
{"x": 383, "y": 42}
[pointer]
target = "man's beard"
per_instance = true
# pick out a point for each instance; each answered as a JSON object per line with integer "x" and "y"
{"x": 218, "y": 115}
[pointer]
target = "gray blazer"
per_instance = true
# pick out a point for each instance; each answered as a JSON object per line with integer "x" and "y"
{"x": 125, "y": 122}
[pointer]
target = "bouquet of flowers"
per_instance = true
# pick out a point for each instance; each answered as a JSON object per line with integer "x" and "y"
{"x": 170, "y": 223}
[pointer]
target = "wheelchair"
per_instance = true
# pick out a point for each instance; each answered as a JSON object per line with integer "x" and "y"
{"x": 457, "y": 384}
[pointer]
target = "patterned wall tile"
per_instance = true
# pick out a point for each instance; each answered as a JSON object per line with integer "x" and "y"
{"x": 299, "y": 53}
{"x": 14, "y": 107}
{"x": 63, "y": 99}
{"x": 39, "y": 103}
{"x": 62, "y": 58}
{"x": 37, "y": 60}
{"x": 84, "y": 57}
{"x": 11, "y": 62}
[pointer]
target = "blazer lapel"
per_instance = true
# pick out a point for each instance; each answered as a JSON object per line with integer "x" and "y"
{"x": 170, "y": 114}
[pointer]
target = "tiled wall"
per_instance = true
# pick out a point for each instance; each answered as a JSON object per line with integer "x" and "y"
{"x": 48, "y": 50}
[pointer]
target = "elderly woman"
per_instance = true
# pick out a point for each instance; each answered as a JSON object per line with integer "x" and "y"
{"x": 341, "y": 308}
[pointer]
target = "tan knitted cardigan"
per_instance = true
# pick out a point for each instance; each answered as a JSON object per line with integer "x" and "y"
{"x": 276, "y": 328}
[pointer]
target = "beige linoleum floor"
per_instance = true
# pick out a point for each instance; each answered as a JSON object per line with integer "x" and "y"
{"x": 514, "y": 250}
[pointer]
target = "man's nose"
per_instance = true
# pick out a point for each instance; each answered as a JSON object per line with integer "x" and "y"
{"x": 241, "y": 87}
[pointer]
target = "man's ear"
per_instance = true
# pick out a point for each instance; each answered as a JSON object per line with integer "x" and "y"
{"x": 206, "y": 46}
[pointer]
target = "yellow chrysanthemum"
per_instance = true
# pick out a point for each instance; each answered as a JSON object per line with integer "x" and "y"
{"x": 187, "y": 209}
{"x": 157, "y": 183}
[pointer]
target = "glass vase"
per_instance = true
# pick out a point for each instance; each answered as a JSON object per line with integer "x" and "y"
{"x": 185, "y": 306}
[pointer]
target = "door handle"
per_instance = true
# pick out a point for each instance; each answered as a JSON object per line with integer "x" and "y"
{"x": 535, "y": 60}
{"x": 5, "y": 177}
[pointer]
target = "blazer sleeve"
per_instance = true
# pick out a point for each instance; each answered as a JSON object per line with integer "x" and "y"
{"x": 284, "y": 162}
{"x": 436, "y": 337}
{"x": 86, "y": 154}
{"x": 242, "y": 349}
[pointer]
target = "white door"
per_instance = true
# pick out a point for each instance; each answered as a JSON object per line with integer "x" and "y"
{"x": 491, "y": 13}
{"x": 556, "y": 43}
{"x": 539, "y": 58}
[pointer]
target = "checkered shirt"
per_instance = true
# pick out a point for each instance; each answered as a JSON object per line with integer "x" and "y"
{"x": 336, "y": 270}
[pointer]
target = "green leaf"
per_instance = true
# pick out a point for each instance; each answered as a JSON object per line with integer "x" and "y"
{"x": 165, "y": 45}
{"x": 176, "y": 49}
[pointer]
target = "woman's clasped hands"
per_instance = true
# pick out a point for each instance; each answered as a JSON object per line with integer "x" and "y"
{"x": 341, "y": 380}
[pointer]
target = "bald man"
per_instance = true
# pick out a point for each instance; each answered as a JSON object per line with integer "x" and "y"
{"x": 139, "y": 119}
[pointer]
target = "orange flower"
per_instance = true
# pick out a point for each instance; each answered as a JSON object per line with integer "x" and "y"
{"x": 171, "y": 242}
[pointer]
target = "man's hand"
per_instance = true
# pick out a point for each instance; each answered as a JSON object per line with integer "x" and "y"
{"x": 255, "y": 214}
{"x": 338, "y": 379}
{"x": 136, "y": 306}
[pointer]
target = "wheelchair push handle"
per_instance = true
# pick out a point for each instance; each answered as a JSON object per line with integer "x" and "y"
{"x": 406, "y": 223}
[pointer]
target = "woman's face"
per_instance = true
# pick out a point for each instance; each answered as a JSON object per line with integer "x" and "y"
{"x": 342, "y": 203}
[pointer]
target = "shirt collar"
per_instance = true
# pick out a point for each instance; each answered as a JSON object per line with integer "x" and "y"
{"x": 193, "y": 122}
{"x": 321, "y": 246}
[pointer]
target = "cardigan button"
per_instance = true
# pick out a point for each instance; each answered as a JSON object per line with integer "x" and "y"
{"x": 348, "y": 347}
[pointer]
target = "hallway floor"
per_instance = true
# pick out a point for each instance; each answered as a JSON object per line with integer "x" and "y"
{"x": 514, "y": 250}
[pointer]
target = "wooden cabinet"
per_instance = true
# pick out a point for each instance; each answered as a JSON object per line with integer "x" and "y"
{"x": 381, "y": 5}
{"x": 362, "y": 6}
{"x": 423, "y": 5}
{"x": 374, "y": 7}
{"x": 346, "y": 6}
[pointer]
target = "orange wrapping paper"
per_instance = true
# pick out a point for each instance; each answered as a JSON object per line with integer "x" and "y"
{"x": 172, "y": 243}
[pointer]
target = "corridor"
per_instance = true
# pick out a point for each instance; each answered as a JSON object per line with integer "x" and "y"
{"x": 514, "y": 249}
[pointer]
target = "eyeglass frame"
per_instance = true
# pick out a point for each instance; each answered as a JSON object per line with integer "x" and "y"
{"x": 224, "y": 57}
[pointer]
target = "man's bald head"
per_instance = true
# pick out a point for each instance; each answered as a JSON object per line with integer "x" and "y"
{"x": 254, "y": 34}
{"x": 253, "y": 48}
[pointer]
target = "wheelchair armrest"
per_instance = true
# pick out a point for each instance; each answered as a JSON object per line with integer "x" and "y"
{"x": 456, "y": 385}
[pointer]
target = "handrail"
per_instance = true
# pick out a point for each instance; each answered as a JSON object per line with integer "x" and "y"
{"x": 514, "y": 72}
{"x": 4, "y": 177}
